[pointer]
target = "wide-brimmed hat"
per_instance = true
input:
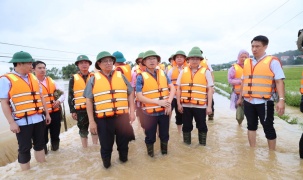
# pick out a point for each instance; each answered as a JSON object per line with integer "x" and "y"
{"x": 82, "y": 58}
{"x": 102, "y": 55}
{"x": 21, "y": 57}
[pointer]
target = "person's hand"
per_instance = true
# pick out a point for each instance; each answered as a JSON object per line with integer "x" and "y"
{"x": 14, "y": 127}
{"x": 48, "y": 119}
{"x": 93, "y": 128}
{"x": 132, "y": 117}
{"x": 164, "y": 103}
{"x": 74, "y": 116}
{"x": 280, "y": 107}
{"x": 167, "y": 111}
{"x": 56, "y": 104}
{"x": 239, "y": 102}
{"x": 180, "y": 108}
{"x": 209, "y": 110}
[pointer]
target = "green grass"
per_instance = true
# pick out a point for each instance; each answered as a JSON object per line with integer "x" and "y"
{"x": 292, "y": 83}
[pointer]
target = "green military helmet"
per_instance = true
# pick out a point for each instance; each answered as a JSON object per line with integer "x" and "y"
{"x": 179, "y": 53}
{"x": 140, "y": 56}
{"x": 150, "y": 53}
{"x": 171, "y": 57}
{"x": 195, "y": 52}
{"x": 119, "y": 57}
{"x": 102, "y": 55}
{"x": 21, "y": 56}
{"x": 83, "y": 58}
{"x": 196, "y": 47}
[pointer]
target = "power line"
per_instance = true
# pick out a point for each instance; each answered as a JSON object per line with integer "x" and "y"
{"x": 286, "y": 22}
{"x": 45, "y": 59}
{"x": 10, "y": 44}
{"x": 264, "y": 18}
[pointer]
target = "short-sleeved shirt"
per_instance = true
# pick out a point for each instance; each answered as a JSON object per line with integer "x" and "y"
{"x": 276, "y": 68}
{"x": 5, "y": 85}
{"x": 88, "y": 91}
{"x": 210, "y": 83}
{"x": 139, "y": 86}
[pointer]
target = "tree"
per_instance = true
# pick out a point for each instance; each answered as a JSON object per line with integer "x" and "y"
{"x": 11, "y": 69}
{"x": 69, "y": 70}
{"x": 53, "y": 73}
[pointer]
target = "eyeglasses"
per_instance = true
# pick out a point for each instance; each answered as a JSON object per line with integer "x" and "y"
{"x": 106, "y": 61}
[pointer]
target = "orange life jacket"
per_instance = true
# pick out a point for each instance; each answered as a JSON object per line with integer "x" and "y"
{"x": 204, "y": 64}
{"x": 48, "y": 94}
{"x": 168, "y": 68}
{"x": 25, "y": 99}
{"x": 258, "y": 80}
{"x": 162, "y": 66}
{"x": 194, "y": 89}
{"x": 174, "y": 76}
{"x": 110, "y": 96}
{"x": 238, "y": 75}
{"x": 126, "y": 71}
{"x": 301, "y": 89}
{"x": 79, "y": 86}
{"x": 154, "y": 89}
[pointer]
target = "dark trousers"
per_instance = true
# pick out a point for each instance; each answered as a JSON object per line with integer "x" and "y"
{"x": 265, "y": 112}
{"x": 110, "y": 127}
{"x": 178, "y": 116}
{"x": 53, "y": 128}
{"x": 30, "y": 135}
{"x": 200, "y": 117}
{"x": 151, "y": 123}
{"x": 139, "y": 114}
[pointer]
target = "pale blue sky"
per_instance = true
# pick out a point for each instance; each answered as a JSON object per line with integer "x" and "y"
{"x": 220, "y": 28}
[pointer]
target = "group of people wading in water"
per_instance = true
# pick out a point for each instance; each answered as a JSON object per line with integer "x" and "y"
{"x": 105, "y": 102}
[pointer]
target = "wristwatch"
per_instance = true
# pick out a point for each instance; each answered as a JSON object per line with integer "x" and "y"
{"x": 281, "y": 99}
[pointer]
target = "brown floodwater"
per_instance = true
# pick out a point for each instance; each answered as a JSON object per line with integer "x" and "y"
{"x": 226, "y": 156}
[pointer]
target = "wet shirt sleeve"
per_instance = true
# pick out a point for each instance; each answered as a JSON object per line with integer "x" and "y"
{"x": 129, "y": 86}
{"x": 5, "y": 87}
{"x": 139, "y": 83}
{"x": 71, "y": 95}
{"x": 88, "y": 91}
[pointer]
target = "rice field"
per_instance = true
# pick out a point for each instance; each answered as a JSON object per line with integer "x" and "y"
{"x": 292, "y": 83}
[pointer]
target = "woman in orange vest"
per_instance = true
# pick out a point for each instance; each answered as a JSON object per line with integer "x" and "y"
{"x": 23, "y": 105}
{"x": 262, "y": 80}
{"x": 152, "y": 90}
{"x": 179, "y": 61}
{"x": 49, "y": 86}
{"x": 234, "y": 78}
{"x": 76, "y": 100}
{"x": 110, "y": 108}
{"x": 194, "y": 96}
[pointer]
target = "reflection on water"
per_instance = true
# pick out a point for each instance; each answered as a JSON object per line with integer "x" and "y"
{"x": 226, "y": 156}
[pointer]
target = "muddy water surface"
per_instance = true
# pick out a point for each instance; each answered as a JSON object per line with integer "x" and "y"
{"x": 226, "y": 156}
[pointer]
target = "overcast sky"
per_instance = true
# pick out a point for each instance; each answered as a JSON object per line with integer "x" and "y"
{"x": 219, "y": 27}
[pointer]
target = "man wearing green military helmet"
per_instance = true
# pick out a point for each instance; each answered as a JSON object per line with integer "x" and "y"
{"x": 179, "y": 63}
{"x": 76, "y": 101}
{"x": 152, "y": 90}
{"x": 110, "y": 108}
{"x": 194, "y": 96}
{"x": 24, "y": 108}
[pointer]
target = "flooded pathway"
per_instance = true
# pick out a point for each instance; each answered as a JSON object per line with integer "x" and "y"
{"x": 226, "y": 156}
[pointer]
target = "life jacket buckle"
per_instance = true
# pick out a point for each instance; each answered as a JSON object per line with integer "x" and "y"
{"x": 249, "y": 84}
{"x": 115, "y": 109}
{"x": 249, "y": 92}
{"x": 160, "y": 90}
{"x": 33, "y": 93}
{"x": 112, "y": 91}
{"x": 161, "y": 97}
{"x": 35, "y": 100}
{"x": 114, "y": 100}
{"x": 250, "y": 76}
{"x": 49, "y": 95}
{"x": 190, "y": 91}
{"x": 190, "y": 84}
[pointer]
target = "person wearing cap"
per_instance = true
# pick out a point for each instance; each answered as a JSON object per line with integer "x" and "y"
{"x": 194, "y": 96}
{"x": 179, "y": 63}
{"x": 24, "y": 108}
{"x": 110, "y": 108}
{"x": 137, "y": 71}
{"x": 152, "y": 90}
{"x": 76, "y": 101}
{"x": 262, "y": 84}
{"x": 170, "y": 65}
{"x": 121, "y": 66}
{"x": 234, "y": 78}
{"x": 49, "y": 90}
{"x": 206, "y": 64}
